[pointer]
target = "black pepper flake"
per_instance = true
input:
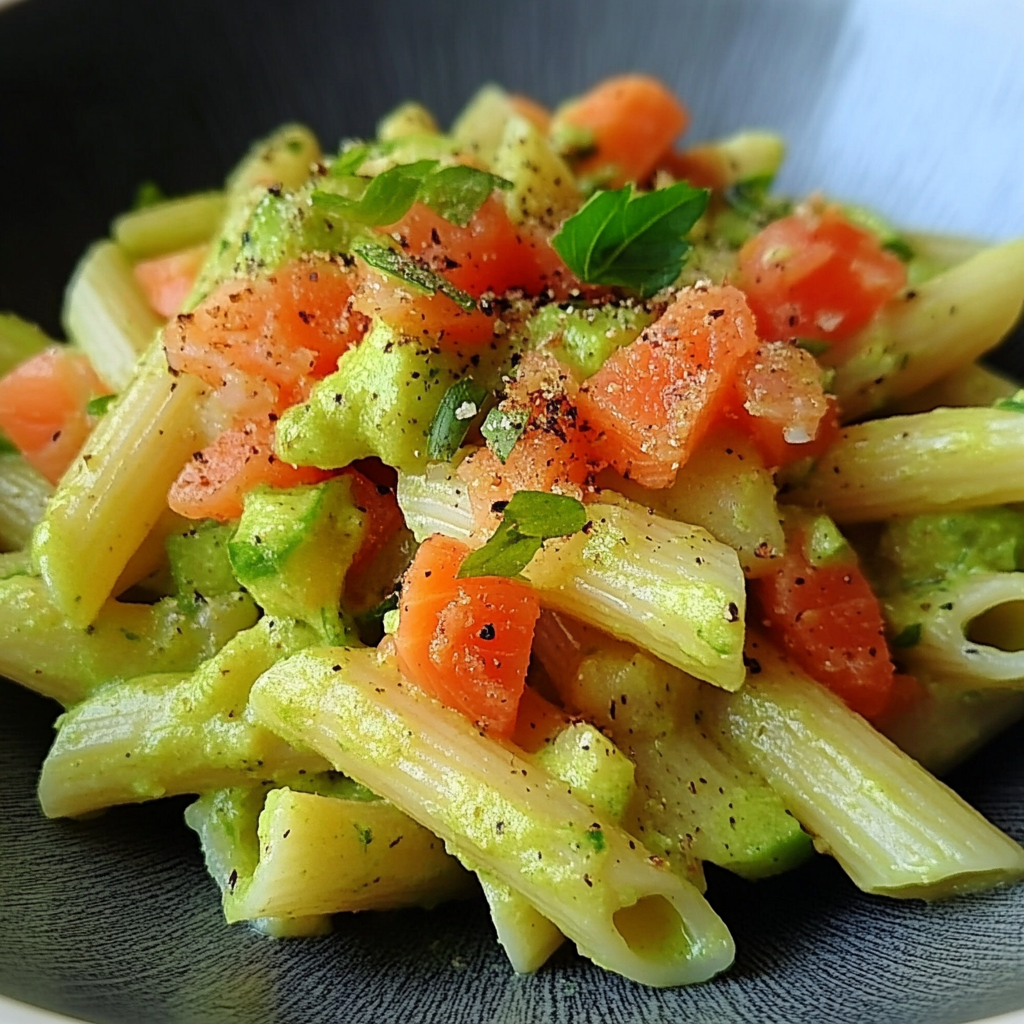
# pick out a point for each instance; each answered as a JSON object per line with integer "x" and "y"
{"x": 487, "y": 632}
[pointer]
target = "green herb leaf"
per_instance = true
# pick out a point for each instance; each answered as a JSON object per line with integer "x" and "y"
{"x": 909, "y": 637}
{"x": 350, "y": 159}
{"x": 634, "y": 239}
{"x": 456, "y": 193}
{"x": 412, "y": 272}
{"x": 149, "y": 193}
{"x": 387, "y": 198}
{"x": 502, "y": 429}
{"x": 99, "y": 406}
{"x": 530, "y": 518}
{"x": 1015, "y": 403}
{"x": 507, "y": 553}
{"x": 539, "y": 514}
{"x": 459, "y": 407}
{"x": 7, "y": 446}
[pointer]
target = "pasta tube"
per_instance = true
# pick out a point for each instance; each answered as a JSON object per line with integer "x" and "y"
{"x": 162, "y": 735}
{"x": 938, "y": 461}
{"x": 931, "y": 330}
{"x": 950, "y": 723}
{"x": 319, "y": 854}
{"x": 496, "y": 809}
{"x": 436, "y": 501}
{"x": 24, "y": 492}
{"x": 169, "y": 226}
{"x": 107, "y": 314}
{"x": 41, "y": 650}
{"x": 665, "y": 586}
{"x": 724, "y": 488}
{"x": 116, "y": 490}
{"x": 895, "y": 829}
{"x": 966, "y": 386}
{"x": 969, "y": 633}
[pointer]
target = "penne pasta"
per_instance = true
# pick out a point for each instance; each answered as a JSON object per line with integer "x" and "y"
{"x": 668, "y": 587}
{"x": 167, "y": 734}
{"x": 969, "y": 632}
{"x": 966, "y": 386}
{"x": 943, "y": 460}
{"x": 931, "y": 330}
{"x": 498, "y": 811}
{"x": 41, "y": 650}
{"x": 107, "y": 315}
{"x": 893, "y": 828}
{"x": 24, "y": 492}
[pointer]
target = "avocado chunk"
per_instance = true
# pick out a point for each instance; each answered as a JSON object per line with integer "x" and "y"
{"x": 199, "y": 560}
{"x": 928, "y": 550}
{"x": 292, "y": 549}
{"x": 381, "y": 401}
{"x": 584, "y": 338}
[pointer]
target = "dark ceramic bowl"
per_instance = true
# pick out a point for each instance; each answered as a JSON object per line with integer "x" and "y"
{"x": 913, "y": 106}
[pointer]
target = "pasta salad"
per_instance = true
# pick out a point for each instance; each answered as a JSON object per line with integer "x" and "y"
{"x": 535, "y": 507}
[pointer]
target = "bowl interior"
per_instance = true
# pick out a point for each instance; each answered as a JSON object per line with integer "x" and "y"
{"x": 899, "y": 104}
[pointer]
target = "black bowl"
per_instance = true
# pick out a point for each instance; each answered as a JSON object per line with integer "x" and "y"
{"x": 913, "y": 107}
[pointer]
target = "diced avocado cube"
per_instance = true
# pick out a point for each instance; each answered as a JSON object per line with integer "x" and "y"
{"x": 600, "y": 774}
{"x": 293, "y": 547}
{"x": 380, "y": 401}
{"x": 585, "y": 337}
{"x": 199, "y": 560}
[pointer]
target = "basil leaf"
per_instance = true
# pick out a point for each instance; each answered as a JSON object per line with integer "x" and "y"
{"x": 633, "y": 239}
{"x": 349, "y": 160}
{"x": 459, "y": 407}
{"x": 387, "y": 198}
{"x": 456, "y": 193}
{"x": 530, "y": 518}
{"x": 909, "y": 637}
{"x": 502, "y": 429}
{"x": 7, "y": 446}
{"x": 507, "y": 553}
{"x": 539, "y": 514}
{"x": 405, "y": 268}
{"x": 99, "y": 406}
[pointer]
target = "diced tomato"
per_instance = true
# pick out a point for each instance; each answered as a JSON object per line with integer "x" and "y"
{"x": 167, "y": 280}
{"x": 43, "y": 408}
{"x": 539, "y": 116}
{"x": 488, "y": 255}
{"x": 214, "y": 482}
{"x": 652, "y": 402}
{"x": 436, "y": 318}
{"x": 634, "y": 120}
{"x": 466, "y": 642}
{"x": 383, "y": 516}
{"x": 815, "y": 275}
{"x": 552, "y": 454}
{"x": 263, "y": 341}
{"x": 830, "y": 621}
{"x": 780, "y": 403}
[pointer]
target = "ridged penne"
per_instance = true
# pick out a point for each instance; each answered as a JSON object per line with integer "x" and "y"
{"x": 499, "y": 811}
{"x": 943, "y": 460}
